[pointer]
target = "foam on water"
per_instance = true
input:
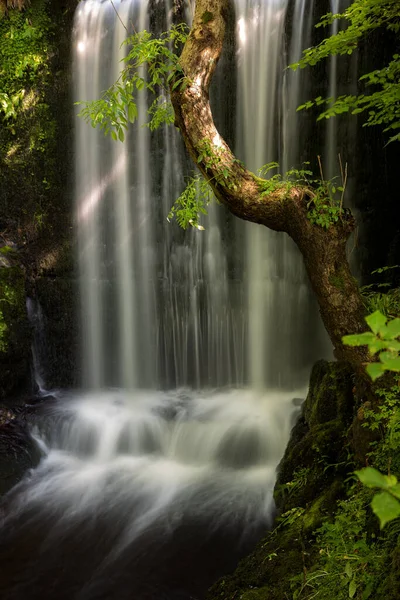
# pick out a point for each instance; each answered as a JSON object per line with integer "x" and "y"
{"x": 151, "y": 455}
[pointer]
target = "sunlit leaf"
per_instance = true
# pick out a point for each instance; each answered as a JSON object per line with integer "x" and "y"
{"x": 352, "y": 588}
{"x": 376, "y": 321}
{"x": 392, "y": 329}
{"x": 375, "y": 370}
{"x": 372, "y": 478}
{"x": 359, "y": 339}
{"x": 385, "y": 507}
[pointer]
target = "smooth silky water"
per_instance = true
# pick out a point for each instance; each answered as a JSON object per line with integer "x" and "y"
{"x": 159, "y": 475}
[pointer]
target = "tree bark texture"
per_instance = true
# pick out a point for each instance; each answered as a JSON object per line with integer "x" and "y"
{"x": 323, "y": 250}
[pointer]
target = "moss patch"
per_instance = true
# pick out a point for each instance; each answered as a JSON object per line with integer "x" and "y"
{"x": 206, "y": 17}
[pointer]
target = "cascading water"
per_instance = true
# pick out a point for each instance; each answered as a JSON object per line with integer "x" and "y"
{"x": 161, "y": 308}
{"x": 35, "y": 317}
{"x": 156, "y": 492}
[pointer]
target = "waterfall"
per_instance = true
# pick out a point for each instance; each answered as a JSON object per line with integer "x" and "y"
{"x": 281, "y": 308}
{"x": 36, "y": 321}
{"x": 163, "y": 308}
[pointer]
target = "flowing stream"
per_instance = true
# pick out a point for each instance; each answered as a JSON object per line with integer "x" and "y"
{"x": 159, "y": 475}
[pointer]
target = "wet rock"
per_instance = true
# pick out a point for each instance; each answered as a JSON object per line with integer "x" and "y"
{"x": 15, "y": 335}
{"x": 18, "y": 451}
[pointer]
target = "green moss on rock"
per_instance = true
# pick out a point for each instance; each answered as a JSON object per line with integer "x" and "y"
{"x": 330, "y": 395}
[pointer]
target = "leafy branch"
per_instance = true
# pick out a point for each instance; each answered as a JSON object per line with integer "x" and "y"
{"x": 191, "y": 203}
{"x": 325, "y": 204}
{"x": 381, "y": 340}
{"x": 151, "y": 64}
{"x": 382, "y": 106}
{"x": 386, "y": 504}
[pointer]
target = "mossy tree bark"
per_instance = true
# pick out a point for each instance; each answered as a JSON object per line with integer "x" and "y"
{"x": 324, "y": 251}
{"x": 19, "y": 4}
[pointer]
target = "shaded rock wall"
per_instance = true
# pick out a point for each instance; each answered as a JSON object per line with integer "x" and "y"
{"x": 36, "y": 190}
{"x": 15, "y": 351}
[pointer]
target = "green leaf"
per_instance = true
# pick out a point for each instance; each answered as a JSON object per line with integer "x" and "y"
{"x": 368, "y": 591}
{"x": 377, "y": 345}
{"x": 348, "y": 570}
{"x": 392, "y": 345}
{"x": 121, "y": 135}
{"x": 375, "y": 370}
{"x": 359, "y": 339}
{"x": 132, "y": 112}
{"x": 372, "y": 478}
{"x": 395, "y": 490}
{"x": 392, "y": 329}
{"x": 352, "y": 588}
{"x": 385, "y": 507}
{"x": 386, "y": 357}
{"x": 392, "y": 364}
{"x": 376, "y": 321}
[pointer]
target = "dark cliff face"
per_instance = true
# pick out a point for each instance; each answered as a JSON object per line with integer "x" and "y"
{"x": 36, "y": 188}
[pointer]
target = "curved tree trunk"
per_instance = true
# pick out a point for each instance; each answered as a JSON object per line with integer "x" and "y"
{"x": 19, "y": 4}
{"x": 324, "y": 251}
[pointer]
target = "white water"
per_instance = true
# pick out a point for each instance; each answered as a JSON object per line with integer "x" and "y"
{"x": 212, "y": 454}
{"x": 331, "y": 146}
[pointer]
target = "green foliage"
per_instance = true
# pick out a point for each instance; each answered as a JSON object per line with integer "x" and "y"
{"x": 299, "y": 481}
{"x": 212, "y": 158}
{"x": 386, "y": 504}
{"x": 161, "y": 112}
{"x": 325, "y": 204}
{"x": 347, "y": 563}
{"x": 24, "y": 51}
{"x": 191, "y": 203}
{"x": 385, "y": 419}
{"x": 380, "y": 296}
{"x": 151, "y": 64}
{"x": 325, "y": 198}
{"x": 4, "y": 250}
{"x": 382, "y": 106}
{"x": 8, "y": 297}
{"x": 289, "y": 517}
{"x": 388, "y": 303}
{"x": 381, "y": 340}
{"x": 27, "y": 116}
{"x": 3, "y": 329}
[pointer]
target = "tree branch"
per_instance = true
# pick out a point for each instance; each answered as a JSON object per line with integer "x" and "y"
{"x": 283, "y": 209}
